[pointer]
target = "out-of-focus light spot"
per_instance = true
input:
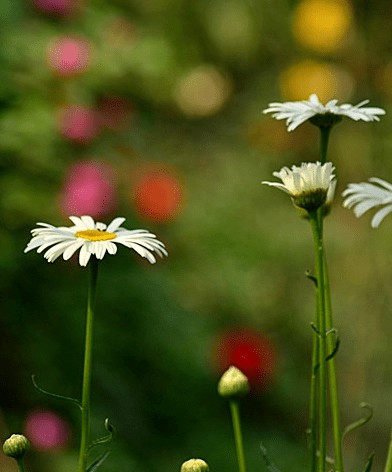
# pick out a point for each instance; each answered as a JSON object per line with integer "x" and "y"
{"x": 272, "y": 135}
{"x": 58, "y": 7}
{"x": 202, "y": 91}
{"x": 117, "y": 113}
{"x": 47, "y": 430}
{"x": 89, "y": 189}
{"x": 322, "y": 25}
{"x": 157, "y": 193}
{"x": 79, "y": 124}
{"x": 383, "y": 80}
{"x": 232, "y": 28}
{"x": 305, "y": 77}
{"x": 120, "y": 33}
{"x": 254, "y": 354}
{"x": 68, "y": 56}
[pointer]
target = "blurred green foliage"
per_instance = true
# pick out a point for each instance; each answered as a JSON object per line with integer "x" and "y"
{"x": 237, "y": 252}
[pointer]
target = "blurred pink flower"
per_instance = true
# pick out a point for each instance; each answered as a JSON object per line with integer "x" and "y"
{"x": 68, "y": 56}
{"x": 47, "y": 430}
{"x": 254, "y": 354}
{"x": 157, "y": 193}
{"x": 79, "y": 124}
{"x": 58, "y": 7}
{"x": 89, "y": 189}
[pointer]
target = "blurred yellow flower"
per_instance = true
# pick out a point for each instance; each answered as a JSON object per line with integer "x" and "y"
{"x": 322, "y": 25}
{"x": 303, "y": 78}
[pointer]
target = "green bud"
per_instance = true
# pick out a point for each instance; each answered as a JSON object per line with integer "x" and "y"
{"x": 16, "y": 446}
{"x": 311, "y": 200}
{"x": 195, "y": 465}
{"x": 233, "y": 383}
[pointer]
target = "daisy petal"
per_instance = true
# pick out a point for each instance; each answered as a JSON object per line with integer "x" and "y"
{"x": 380, "y": 215}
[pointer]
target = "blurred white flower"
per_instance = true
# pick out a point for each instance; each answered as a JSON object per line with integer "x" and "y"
{"x": 310, "y": 185}
{"x": 296, "y": 113}
{"x": 365, "y": 196}
{"x": 92, "y": 238}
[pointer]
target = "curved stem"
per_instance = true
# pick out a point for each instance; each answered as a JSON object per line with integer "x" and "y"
{"x": 235, "y": 415}
{"x": 316, "y": 222}
{"x": 85, "y": 427}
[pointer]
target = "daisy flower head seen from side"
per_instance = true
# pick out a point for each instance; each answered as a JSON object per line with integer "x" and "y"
{"x": 309, "y": 186}
{"x": 296, "y": 113}
{"x": 92, "y": 238}
{"x": 364, "y": 196}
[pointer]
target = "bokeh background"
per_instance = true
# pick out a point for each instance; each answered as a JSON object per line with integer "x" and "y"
{"x": 152, "y": 109}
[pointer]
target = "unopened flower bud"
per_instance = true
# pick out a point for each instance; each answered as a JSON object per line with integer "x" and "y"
{"x": 195, "y": 465}
{"x": 233, "y": 383}
{"x": 16, "y": 446}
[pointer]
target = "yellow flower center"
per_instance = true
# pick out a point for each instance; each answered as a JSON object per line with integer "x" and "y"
{"x": 95, "y": 235}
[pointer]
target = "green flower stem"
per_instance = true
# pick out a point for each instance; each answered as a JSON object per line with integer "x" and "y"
{"x": 235, "y": 415}
{"x": 315, "y": 220}
{"x": 325, "y": 132}
{"x": 313, "y": 398}
{"x": 20, "y": 465}
{"x": 333, "y": 386}
{"x": 85, "y": 427}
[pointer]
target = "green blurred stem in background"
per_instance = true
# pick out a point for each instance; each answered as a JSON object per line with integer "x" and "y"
{"x": 85, "y": 426}
{"x": 235, "y": 415}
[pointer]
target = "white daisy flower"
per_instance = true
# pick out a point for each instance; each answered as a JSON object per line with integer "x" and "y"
{"x": 92, "y": 238}
{"x": 310, "y": 186}
{"x": 296, "y": 113}
{"x": 364, "y": 196}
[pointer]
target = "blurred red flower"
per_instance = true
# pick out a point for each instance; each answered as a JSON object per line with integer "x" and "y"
{"x": 157, "y": 193}
{"x": 254, "y": 354}
{"x": 89, "y": 189}
{"x": 79, "y": 124}
{"x": 47, "y": 430}
{"x": 68, "y": 56}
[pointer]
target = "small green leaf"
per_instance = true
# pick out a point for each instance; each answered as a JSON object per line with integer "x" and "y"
{"x": 94, "y": 466}
{"x": 369, "y": 462}
{"x": 311, "y": 277}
